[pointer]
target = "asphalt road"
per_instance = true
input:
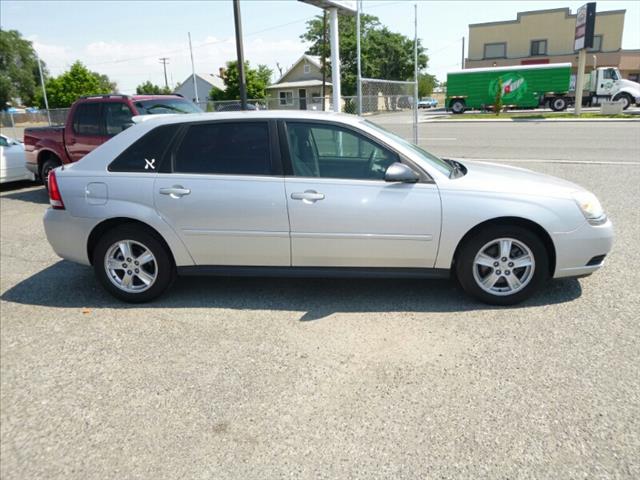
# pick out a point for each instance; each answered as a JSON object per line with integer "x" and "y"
{"x": 255, "y": 378}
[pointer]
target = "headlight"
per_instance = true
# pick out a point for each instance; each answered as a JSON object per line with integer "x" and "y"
{"x": 590, "y": 207}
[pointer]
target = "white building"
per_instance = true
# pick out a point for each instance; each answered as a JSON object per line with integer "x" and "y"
{"x": 205, "y": 82}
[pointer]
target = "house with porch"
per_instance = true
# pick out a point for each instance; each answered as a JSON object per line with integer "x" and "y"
{"x": 300, "y": 87}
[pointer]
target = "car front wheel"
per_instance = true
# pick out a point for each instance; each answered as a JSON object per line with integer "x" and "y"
{"x": 133, "y": 264}
{"x": 502, "y": 265}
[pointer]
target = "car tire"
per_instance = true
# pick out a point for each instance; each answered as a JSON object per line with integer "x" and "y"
{"x": 486, "y": 273}
{"x": 118, "y": 271}
{"x": 457, "y": 106}
{"x": 626, "y": 99}
{"x": 558, "y": 104}
{"x": 47, "y": 166}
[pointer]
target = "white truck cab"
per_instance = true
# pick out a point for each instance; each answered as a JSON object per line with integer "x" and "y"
{"x": 606, "y": 83}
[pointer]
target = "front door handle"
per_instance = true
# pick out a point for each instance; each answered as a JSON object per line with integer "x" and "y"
{"x": 176, "y": 191}
{"x": 308, "y": 196}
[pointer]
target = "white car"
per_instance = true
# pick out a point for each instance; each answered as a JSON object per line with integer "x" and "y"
{"x": 12, "y": 161}
{"x": 313, "y": 194}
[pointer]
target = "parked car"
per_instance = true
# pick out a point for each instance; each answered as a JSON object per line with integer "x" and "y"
{"x": 428, "y": 102}
{"x": 309, "y": 194}
{"x": 92, "y": 121}
{"x": 12, "y": 166}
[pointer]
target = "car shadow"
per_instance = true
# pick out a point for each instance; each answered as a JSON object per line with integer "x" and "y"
{"x": 316, "y": 298}
{"x": 25, "y": 191}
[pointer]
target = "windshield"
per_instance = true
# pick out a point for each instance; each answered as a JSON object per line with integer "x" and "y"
{"x": 166, "y": 105}
{"x": 430, "y": 158}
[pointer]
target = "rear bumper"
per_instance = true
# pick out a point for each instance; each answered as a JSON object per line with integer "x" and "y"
{"x": 575, "y": 250}
{"x": 68, "y": 235}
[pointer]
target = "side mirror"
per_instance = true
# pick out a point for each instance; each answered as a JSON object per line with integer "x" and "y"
{"x": 399, "y": 172}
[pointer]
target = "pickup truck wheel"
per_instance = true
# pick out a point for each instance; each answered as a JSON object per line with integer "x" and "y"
{"x": 558, "y": 104}
{"x": 457, "y": 106}
{"x": 133, "y": 264}
{"x": 47, "y": 166}
{"x": 626, "y": 100}
{"x": 502, "y": 265}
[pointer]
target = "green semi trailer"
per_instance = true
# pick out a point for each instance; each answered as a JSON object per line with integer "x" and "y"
{"x": 529, "y": 86}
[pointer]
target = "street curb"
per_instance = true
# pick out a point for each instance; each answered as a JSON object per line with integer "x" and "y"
{"x": 529, "y": 120}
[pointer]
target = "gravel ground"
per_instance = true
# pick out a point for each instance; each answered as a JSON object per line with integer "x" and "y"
{"x": 274, "y": 378}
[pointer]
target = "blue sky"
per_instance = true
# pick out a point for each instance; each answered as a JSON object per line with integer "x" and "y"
{"x": 125, "y": 39}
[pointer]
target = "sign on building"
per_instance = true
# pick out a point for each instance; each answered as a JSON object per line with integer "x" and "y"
{"x": 585, "y": 26}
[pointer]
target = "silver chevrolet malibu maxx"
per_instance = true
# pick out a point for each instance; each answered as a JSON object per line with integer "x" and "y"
{"x": 313, "y": 194}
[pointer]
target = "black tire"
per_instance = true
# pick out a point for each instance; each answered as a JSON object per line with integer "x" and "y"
{"x": 457, "y": 106}
{"x": 558, "y": 104}
{"x": 164, "y": 266}
{"x": 47, "y": 166}
{"x": 626, "y": 98}
{"x": 465, "y": 264}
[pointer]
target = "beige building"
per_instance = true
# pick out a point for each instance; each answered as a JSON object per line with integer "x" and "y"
{"x": 300, "y": 88}
{"x": 546, "y": 36}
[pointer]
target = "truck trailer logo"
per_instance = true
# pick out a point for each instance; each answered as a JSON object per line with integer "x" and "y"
{"x": 514, "y": 86}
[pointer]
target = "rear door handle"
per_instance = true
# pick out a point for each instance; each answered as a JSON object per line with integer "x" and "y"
{"x": 176, "y": 191}
{"x": 308, "y": 196}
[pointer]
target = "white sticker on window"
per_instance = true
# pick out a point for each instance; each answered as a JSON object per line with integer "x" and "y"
{"x": 150, "y": 164}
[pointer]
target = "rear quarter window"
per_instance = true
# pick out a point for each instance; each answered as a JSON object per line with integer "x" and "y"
{"x": 147, "y": 153}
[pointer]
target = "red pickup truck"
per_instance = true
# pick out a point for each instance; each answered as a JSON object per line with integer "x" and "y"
{"x": 92, "y": 121}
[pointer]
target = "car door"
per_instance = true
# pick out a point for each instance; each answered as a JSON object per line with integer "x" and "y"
{"x": 343, "y": 214}
{"x": 224, "y": 194}
{"x": 87, "y": 130}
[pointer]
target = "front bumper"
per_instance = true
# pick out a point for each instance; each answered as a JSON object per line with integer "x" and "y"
{"x": 575, "y": 250}
{"x": 68, "y": 235}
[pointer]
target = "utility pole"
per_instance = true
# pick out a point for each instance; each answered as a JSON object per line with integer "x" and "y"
{"x": 193, "y": 71}
{"x": 335, "y": 58}
{"x": 240, "y": 51}
{"x": 324, "y": 59}
{"x": 164, "y": 61}
{"x": 44, "y": 90}
{"x": 462, "y": 57}
{"x": 415, "y": 84}
{"x": 359, "y": 61}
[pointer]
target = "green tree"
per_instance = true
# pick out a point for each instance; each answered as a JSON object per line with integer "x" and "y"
{"x": 426, "y": 84}
{"x": 19, "y": 76}
{"x": 65, "y": 89}
{"x": 385, "y": 54}
{"x": 257, "y": 81}
{"x": 148, "y": 88}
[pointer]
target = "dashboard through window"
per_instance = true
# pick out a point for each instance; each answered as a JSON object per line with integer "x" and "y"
{"x": 232, "y": 148}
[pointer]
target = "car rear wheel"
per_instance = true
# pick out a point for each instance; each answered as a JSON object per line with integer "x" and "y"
{"x": 47, "y": 166}
{"x": 502, "y": 265}
{"x": 133, "y": 264}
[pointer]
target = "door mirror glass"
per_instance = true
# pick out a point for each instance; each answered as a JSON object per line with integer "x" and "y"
{"x": 399, "y": 172}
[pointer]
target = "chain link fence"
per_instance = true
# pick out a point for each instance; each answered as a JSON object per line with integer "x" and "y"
{"x": 13, "y": 124}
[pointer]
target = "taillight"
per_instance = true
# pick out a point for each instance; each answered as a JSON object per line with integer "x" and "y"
{"x": 55, "y": 199}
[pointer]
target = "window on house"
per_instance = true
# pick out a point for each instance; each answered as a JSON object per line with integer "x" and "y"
{"x": 597, "y": 44}
{"x": 538, "y": 47}
{"x": 286, "y": 98}
{"x": 495, "y": 50}
{"x": 307, "y": 68}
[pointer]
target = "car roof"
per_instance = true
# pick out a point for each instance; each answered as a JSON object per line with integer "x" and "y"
{"x": 168, "y": 119}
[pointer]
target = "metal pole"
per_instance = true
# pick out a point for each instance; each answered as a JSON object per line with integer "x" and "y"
{"x": 359, "y": 76}
{"x": 415, "y": 81}
{"x": 324, "y": 60}
{"x": 582, "y": 58}
{"x": 335, "y": 58}
{"x": 242, "y": 81}
{"x": 462, "y": 58}
{"x": 193, "y": 71}
{"x": 163, "y": 61}
{"x": 44, "y": 90}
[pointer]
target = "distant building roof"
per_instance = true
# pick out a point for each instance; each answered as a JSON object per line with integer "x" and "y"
{"x": 315, "y": 60}
{"x": 299, "y": 84}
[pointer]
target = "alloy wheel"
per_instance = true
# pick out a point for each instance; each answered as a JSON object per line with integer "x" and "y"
{"x": 503, "y": 266}
{"x": 131, "y": 266}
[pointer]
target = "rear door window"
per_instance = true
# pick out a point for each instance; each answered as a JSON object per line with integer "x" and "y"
{"x": 147, "y": 153}
{"x": 232, "y": 148}
{"x": 86, "y": 120}
{"x": 117, "y": 117}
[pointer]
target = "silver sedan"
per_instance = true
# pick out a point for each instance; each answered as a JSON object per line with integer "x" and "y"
{"x": 313, "y": 194}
